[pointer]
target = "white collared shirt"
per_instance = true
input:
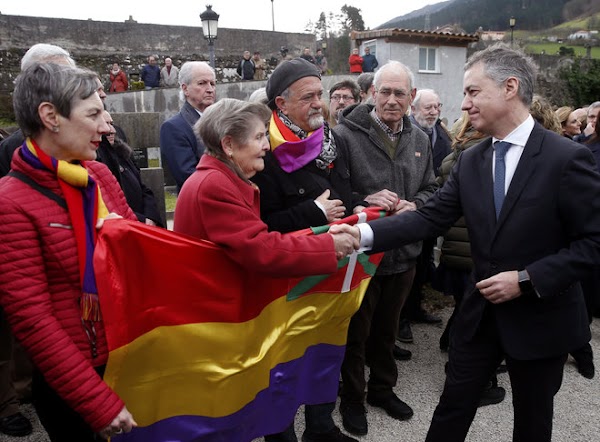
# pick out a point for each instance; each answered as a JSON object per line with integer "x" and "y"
{"x": 517, "y": 138}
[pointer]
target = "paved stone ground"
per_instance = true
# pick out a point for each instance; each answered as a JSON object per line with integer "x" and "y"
{"x": 577, "y": 409}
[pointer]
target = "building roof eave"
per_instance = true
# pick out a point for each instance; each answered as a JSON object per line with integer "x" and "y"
{"x": 408, "y": 35}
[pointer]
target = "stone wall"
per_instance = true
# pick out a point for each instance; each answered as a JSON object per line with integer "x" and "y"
{"x": 97, "y": 44}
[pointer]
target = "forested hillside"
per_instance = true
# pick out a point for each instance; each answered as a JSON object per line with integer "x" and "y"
{"x": 494, "y": 14}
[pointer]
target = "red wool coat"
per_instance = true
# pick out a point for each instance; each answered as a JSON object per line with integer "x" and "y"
{"x": 118, "y": 83}
{"x": 355, "y": 61}
{"x": 216, "y": 205}
{"x": 40, "y": 288}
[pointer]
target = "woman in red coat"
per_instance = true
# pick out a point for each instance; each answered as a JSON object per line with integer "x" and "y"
{"x": 51, "y": 204}
{"x": 355, "y": 61}
{"x": 118, "y": 79}
{"x": 219, "y": 203}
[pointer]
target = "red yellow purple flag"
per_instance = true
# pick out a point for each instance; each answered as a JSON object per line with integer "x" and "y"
{"x": 203, "y": 350}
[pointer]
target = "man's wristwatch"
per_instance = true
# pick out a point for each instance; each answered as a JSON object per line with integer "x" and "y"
{"x": 527, "y": 288}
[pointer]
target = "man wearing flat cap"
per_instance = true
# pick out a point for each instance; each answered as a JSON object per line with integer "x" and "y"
{"x": 305, "y": 183}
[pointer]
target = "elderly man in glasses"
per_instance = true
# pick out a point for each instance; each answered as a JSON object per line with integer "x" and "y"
{"x": 384, "y": 150}
{"x": 426, "y": 109}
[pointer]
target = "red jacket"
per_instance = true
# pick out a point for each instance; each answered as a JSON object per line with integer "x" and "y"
{"x": 355, "y": 62}
{"x": 118, "y": 83}
{"x": 40, "y": 288}
{"x": 216, "y": 205}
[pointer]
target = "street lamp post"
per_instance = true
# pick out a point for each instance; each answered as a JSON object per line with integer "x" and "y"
{"x": 273, "y": 15}
{"x": 512, "y": 23}
{"x": 210, "y": 23}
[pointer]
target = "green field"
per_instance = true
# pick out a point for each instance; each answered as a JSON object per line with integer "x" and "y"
{"x": 577, "y": 24}
{"x": 553, "y": 48}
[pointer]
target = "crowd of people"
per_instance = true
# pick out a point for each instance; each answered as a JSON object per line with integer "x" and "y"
{"x": 250, "y": 67}
{"x": 513, "y": 188}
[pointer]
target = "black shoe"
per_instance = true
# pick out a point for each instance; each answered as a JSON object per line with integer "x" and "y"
{"x": 404, "y": 332}
{"x": 15, "y": 425}
{"x": 584, "y": 358}
{"x": 426, "y": 318}
{"x": 334, "y": 435}
{"x": 586, "y": 368}
{"x": 392, "y": 406}
{"x": 354, "y": 418}
{"x": 492, "y": 395}
{"x": 401, "y": 354}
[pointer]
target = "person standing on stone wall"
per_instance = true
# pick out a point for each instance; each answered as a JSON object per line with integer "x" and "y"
{"x": 321, "y": 61}
{"x": 260, "y": 66}
{"x": 355, "y": 61}
{"x": 308, "y": 56}
{"x": 369, "y": 63}
{"x": 169, "y": 74}
{"x": 246, "y": 67}
{"x": 118, "y": 79}
{"x": 151, "y": 73}
{"x": 179, "y": 147}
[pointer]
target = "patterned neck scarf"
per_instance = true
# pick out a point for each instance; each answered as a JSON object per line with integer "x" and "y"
{"x": 294, "y": 148}
{"x": 86, "y": 206}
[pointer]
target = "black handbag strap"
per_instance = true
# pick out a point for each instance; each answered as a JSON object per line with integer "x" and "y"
{"x": 43, "y": 190}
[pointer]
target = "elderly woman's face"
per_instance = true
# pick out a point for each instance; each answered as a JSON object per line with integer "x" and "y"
{"x": 249, "y": 155}
{"x": 79, "y": 136}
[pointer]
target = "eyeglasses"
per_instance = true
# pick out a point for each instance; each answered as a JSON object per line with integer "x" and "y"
{"x": 342, "y": 98}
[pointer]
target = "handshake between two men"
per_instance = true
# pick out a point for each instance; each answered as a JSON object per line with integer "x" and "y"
{"x": 347, "y": 238}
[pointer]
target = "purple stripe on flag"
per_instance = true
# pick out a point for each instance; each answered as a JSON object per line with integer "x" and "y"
{"x": 311, "y": 379}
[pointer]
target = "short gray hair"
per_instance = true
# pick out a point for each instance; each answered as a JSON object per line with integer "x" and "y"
{"x": 419, "y": 95}
{"x": 365, "y": 80}
{"x": 594, "y": 105}
{"x": 59, "y": 85}
{"x": 501, "y": 62}
{"x": 186, "y": 73}
{"x": 394, "y": 65}
{"x": 229, "y": 117}
{"x": 43, "y": 52}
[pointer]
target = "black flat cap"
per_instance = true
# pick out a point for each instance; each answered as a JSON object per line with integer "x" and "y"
{"x": 287, "y": 73}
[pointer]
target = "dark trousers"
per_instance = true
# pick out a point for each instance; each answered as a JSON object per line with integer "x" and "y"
{"x": 318, "y": 421}
{"x": 376, "y": 321}
{"x": 9, "y": 403}
{"x": 470, "y": 366}
{"x": 59, "y": 420}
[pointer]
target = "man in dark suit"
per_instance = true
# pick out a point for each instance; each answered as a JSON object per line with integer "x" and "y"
{"x": 533, "y": 216}
{"x": 179, "y": 147}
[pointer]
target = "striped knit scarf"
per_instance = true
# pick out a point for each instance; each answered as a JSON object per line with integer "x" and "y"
{"x": 86, "y": 206}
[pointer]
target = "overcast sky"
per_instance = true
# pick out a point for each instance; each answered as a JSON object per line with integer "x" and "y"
{"x": 290, "y": 15}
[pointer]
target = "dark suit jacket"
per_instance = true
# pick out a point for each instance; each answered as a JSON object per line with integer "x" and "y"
{"x": 179, "y": 147}
{"x": 549, "y": 225}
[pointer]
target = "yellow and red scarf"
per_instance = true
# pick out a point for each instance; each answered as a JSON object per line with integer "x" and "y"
{"x": 85, "y": 205}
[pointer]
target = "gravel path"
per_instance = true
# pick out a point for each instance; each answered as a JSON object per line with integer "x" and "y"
{"x": 577, "y": 407}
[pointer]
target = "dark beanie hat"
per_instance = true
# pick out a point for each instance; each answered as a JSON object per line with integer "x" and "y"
{"x": 287, "y": 73}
